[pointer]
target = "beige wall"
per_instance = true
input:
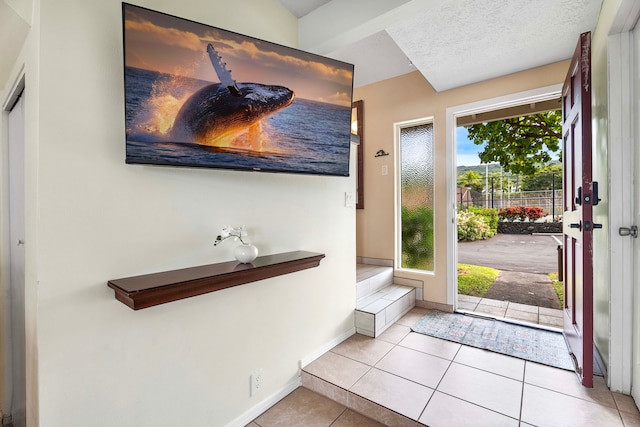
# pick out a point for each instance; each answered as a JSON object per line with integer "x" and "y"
{"x": 412, "y": 97}
{"x": 92, "y": 218}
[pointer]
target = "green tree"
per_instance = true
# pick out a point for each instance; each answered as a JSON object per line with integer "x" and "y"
{"x": 544, "y": 179}
{"x": 471, "y": 179}
{"x": 520, "y": 144}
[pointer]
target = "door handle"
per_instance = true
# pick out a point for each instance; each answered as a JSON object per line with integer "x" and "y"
{"x": 628, "y": 231}
{"x": 577, "y": 225}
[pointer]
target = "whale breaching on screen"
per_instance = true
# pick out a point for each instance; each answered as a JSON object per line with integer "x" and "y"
{"x": 216, "y": 114}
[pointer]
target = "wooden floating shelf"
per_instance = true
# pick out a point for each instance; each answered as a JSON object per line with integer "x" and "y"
{"x": 158, "y": 288}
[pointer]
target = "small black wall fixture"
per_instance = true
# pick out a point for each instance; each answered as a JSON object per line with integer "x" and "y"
{"x": 381, "y": 153}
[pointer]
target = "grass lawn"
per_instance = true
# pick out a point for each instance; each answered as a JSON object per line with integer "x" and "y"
{"x": 558, "y": 286}
{"x": 475, "y": 280}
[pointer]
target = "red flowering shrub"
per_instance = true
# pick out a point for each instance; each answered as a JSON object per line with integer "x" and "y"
{"x": 521, "y": 213}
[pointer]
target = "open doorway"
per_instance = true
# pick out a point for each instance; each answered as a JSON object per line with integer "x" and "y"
{"x": 504, "y": 274}
{"x": 509, "y": 227}
{"x": 13, "y": 406}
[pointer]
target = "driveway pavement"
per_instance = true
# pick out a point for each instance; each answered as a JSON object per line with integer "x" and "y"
{"x": 513, "y": 252}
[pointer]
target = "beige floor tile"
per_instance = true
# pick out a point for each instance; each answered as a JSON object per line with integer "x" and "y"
{"x": 431, "y": 345}
{"x": 339, "y": 370}
{"x": 324, "y": 388}
{"x": 363, "y": 349}
{"x": 521, "y": 315}
{"x": 447, "y": 411}
{"x": 523, "y": 307}
{"x": 483, "y": 388}
{"x": 630, "y": 420}
{"x": 398, "y": 394}
{"x": 395, "y": 333}
{"x": 379, "y": 413}
{"x": 625, "y": 403}
{"x": 350, "y": 418}
{"x": 496, "y": 363}
{"x": 415, "y": 366}
{"x": 567, "y": 382}
{"x": 318, "y": 411}
{"x": 489, "y": 309}
{"x": 412, "y": 317}
{"x": 542, "y": 407}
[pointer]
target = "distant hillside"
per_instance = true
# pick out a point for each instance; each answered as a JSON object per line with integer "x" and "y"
{"x": 493, "y": 168}
{"x": 481, "y": 169}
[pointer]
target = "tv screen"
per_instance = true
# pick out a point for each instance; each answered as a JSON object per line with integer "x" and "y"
{"x": 197, "y": 95}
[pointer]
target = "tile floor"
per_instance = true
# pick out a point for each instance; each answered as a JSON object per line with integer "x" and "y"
{"x": 548, "y": 317}
{"x": 406, "y": 379}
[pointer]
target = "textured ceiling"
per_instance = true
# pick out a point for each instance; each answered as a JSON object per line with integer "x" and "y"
{"x": 473, "y": 40}
{"x": 452, "y": 43}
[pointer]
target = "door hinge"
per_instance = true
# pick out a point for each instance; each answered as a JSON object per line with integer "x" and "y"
{"x": 576, "y": 365}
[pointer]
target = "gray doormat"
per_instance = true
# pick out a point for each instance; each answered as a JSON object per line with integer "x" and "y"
{"x": 536, "y": 345}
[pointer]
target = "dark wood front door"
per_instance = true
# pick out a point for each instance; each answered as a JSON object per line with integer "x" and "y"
{"x": 580, "y": 195}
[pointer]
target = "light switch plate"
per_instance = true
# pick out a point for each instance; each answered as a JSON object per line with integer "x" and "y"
{"x": 349, "y": 200}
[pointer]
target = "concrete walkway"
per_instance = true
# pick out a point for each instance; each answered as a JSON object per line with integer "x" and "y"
{"x": 522, "y": 291}
{"x": 524, "y": 288}
{"x": 543, "y": 316}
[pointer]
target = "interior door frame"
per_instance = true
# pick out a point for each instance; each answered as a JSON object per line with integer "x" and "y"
{"x": 621, "y": 152}
{"x": 635, "y": 350}
{"x": 7, "y": 400}
{"x": 527, "y": 97}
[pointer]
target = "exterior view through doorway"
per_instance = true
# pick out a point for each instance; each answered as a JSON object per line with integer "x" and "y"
{"x": 508, "y": 219}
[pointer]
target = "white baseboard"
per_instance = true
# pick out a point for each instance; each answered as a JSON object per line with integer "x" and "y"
{"x": 276, "y": 397}
{"x": 265, "y": 404}
{"x": 328, "y": 346}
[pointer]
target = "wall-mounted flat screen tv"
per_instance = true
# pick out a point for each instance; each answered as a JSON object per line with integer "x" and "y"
{"x": 197, "y": 95}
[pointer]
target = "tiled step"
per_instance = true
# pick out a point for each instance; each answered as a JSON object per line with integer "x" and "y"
{"x": 368, "y": 408}
{"x": 376, "y": 312}
{"x": 371, "y": 278}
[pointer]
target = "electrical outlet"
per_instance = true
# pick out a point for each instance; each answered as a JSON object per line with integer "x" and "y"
{"x": 256, "y": 381}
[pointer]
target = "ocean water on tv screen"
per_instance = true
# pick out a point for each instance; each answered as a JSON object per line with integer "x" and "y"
{"x": 305, "y": 137}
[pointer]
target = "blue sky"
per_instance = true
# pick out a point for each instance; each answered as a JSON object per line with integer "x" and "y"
{"x": 467, "y": 152}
